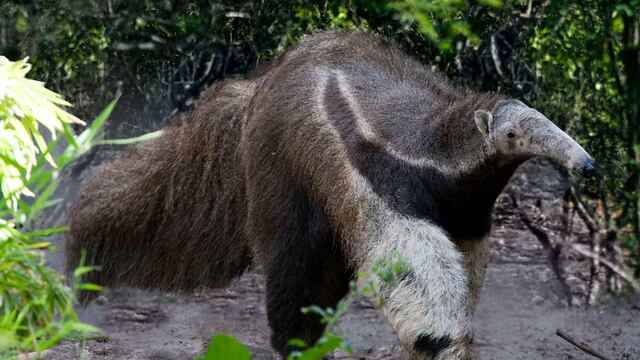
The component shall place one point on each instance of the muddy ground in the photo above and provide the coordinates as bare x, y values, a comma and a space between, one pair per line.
534, 286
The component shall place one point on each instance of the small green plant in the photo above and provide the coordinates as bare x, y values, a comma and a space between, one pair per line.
387, 271
36, 307
223, 347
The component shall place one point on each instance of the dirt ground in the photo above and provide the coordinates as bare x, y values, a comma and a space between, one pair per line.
533, 287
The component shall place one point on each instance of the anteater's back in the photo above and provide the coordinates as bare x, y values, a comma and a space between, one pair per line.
169, 213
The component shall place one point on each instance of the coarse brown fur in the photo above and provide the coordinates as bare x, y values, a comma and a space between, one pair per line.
343, 151
169, 214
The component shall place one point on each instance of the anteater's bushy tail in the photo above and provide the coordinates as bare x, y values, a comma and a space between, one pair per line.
169, 213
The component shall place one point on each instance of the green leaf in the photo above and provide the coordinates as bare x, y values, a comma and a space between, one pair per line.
90, 287
493, 3
69, 135
15, 164
84, 328
132, 140
86, 137
7, 340
299, 343
226, 347
81, 270
38, 245
47, 232
324, 346
315, 309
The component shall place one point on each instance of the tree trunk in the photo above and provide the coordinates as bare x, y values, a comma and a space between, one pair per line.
630, 54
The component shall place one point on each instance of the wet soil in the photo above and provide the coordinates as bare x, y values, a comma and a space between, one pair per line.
534, 285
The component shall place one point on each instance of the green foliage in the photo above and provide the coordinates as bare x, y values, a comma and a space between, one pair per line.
225, 347
587, 67
36, 308
441, 20
25, 104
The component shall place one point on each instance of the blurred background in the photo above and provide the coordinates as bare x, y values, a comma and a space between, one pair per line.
565, 254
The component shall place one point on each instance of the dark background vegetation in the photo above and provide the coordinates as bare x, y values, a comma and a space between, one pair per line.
578, 62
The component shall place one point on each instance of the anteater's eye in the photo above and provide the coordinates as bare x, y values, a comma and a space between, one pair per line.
511, 135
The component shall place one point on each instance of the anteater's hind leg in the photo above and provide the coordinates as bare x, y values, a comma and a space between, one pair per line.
303, 262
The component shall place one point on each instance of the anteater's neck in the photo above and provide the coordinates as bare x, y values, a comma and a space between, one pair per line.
465, 201
442, 170
466, 195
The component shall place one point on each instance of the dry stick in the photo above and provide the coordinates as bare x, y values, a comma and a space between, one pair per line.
615, 268
595, 239
580, 345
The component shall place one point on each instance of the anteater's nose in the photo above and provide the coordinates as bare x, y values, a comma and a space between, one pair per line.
587, 169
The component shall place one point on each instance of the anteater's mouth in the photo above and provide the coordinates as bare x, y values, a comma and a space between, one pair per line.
586, 169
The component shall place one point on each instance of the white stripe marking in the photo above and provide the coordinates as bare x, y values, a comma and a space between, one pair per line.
369, 133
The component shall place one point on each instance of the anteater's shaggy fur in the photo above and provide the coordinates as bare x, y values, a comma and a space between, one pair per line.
342, 152
170, 213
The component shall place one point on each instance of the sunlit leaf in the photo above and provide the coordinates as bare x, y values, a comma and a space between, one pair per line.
226, 347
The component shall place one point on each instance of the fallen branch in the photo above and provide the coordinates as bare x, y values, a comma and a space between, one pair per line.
580, 345
615, 268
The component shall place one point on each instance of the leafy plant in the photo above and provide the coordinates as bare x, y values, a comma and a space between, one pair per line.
36, 308
24, 105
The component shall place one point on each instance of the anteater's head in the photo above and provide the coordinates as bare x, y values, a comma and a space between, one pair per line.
516, 132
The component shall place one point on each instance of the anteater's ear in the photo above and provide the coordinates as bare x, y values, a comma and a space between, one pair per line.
483, 120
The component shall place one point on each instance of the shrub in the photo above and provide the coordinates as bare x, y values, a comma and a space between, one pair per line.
36, 308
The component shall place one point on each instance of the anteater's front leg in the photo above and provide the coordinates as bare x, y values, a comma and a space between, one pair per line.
428, 305
476, 253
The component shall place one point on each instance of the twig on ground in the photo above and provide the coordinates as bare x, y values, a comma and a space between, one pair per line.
580, 345
615, 268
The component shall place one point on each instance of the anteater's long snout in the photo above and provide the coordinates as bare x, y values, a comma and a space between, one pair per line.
576, 158
559, 146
